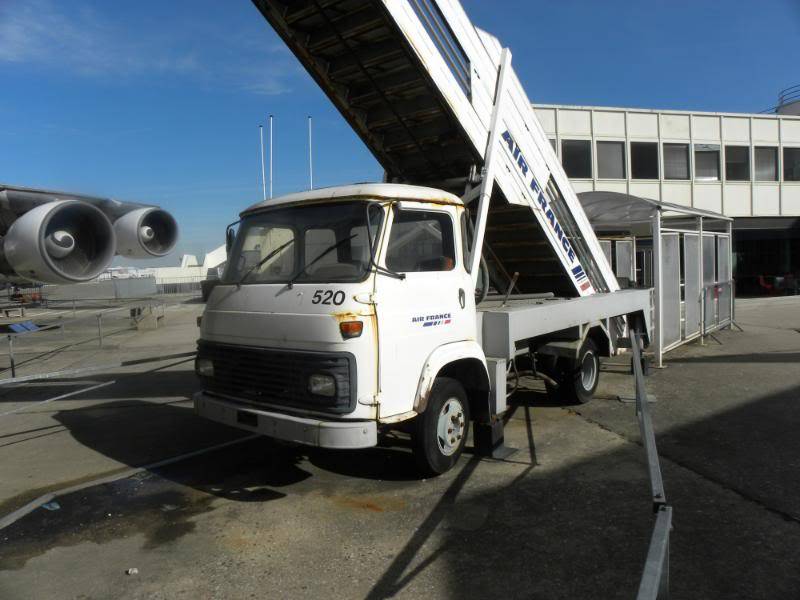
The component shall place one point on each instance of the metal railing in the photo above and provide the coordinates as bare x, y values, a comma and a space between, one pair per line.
790, 94
136, 311
654, 584
785, 97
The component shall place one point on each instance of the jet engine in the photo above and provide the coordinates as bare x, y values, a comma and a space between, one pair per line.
145, 232
65, 241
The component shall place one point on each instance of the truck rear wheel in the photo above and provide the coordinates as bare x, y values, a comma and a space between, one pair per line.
440, 433
577, 379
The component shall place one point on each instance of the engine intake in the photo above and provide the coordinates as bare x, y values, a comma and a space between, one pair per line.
65, 241
145, 232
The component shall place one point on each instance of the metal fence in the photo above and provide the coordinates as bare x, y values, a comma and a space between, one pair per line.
109, 288
654, 584
93, 327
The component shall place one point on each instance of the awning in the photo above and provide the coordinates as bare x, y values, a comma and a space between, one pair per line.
613, 209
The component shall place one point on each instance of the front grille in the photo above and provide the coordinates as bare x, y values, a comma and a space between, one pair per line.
279, 377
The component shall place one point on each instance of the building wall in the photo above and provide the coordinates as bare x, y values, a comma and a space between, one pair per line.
758, 137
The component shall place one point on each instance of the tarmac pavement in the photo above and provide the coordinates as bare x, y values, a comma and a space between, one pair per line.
567, 516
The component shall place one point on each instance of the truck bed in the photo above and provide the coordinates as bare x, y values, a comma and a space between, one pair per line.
503, 327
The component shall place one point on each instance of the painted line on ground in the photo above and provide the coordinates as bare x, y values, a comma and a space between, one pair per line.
80, 371
61, 397
16, 515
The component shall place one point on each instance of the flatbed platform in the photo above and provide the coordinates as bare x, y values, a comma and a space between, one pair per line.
502, 325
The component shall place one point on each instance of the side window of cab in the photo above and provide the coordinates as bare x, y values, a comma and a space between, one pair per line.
421, 241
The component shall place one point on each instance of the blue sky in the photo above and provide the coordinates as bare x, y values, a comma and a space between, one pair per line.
160, 101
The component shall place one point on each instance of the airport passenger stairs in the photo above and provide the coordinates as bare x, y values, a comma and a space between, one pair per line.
422, 88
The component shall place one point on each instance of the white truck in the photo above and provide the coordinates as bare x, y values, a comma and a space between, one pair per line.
346, 312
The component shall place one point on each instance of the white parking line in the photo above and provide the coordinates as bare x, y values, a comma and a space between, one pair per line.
44, 499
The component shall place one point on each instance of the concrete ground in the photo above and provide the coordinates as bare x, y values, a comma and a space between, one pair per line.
567, 516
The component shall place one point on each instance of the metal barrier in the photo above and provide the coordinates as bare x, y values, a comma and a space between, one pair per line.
717, 305
135, 311
654, 584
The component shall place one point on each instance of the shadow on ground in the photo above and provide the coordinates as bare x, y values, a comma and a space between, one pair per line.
576, 531
582, 531
761, 357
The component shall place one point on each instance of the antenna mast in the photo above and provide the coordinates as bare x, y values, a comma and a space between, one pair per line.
263, 178
310, 158
270, 156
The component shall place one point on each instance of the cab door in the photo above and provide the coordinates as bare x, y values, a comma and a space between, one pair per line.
433, 304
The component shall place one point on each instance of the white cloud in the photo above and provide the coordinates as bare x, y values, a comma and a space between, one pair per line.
82, 42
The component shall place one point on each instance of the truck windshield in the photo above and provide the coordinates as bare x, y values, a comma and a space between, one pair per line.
305, 244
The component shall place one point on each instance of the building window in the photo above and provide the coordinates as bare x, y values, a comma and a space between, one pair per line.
791, 164
676, 161
611, 160
766, 164
576, 158
706, 162
737, 163
553, 144
644, 160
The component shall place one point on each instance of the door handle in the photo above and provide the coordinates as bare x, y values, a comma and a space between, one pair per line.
462, 298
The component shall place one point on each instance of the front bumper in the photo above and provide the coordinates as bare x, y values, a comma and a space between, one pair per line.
311, 432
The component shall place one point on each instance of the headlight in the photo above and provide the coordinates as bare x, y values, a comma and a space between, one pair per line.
322, 385
204, 367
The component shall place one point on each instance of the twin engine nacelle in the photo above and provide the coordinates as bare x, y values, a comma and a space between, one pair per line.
145, 233
70, 241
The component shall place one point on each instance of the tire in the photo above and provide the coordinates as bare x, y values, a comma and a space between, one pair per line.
447, 414
577, 379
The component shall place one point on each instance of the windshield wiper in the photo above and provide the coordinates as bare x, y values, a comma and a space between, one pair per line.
327, 251
262, 261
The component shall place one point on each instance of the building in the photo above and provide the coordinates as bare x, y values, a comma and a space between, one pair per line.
745, 166
190, 270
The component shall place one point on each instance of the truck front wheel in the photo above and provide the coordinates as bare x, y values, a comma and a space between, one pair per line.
577, 379
440, 433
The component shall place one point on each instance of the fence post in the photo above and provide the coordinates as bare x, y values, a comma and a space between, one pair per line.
100, 328
703, 310
11, 356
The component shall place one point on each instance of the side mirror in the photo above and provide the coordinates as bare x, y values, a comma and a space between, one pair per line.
229, 239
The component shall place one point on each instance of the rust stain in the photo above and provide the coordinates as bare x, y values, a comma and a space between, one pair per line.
376, 504
344, 316
347, 315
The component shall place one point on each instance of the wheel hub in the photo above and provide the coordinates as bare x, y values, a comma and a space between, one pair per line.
450, 426
588, 371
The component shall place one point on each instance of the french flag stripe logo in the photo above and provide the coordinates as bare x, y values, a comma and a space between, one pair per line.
578, 273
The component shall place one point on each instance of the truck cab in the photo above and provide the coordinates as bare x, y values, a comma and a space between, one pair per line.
343, 312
